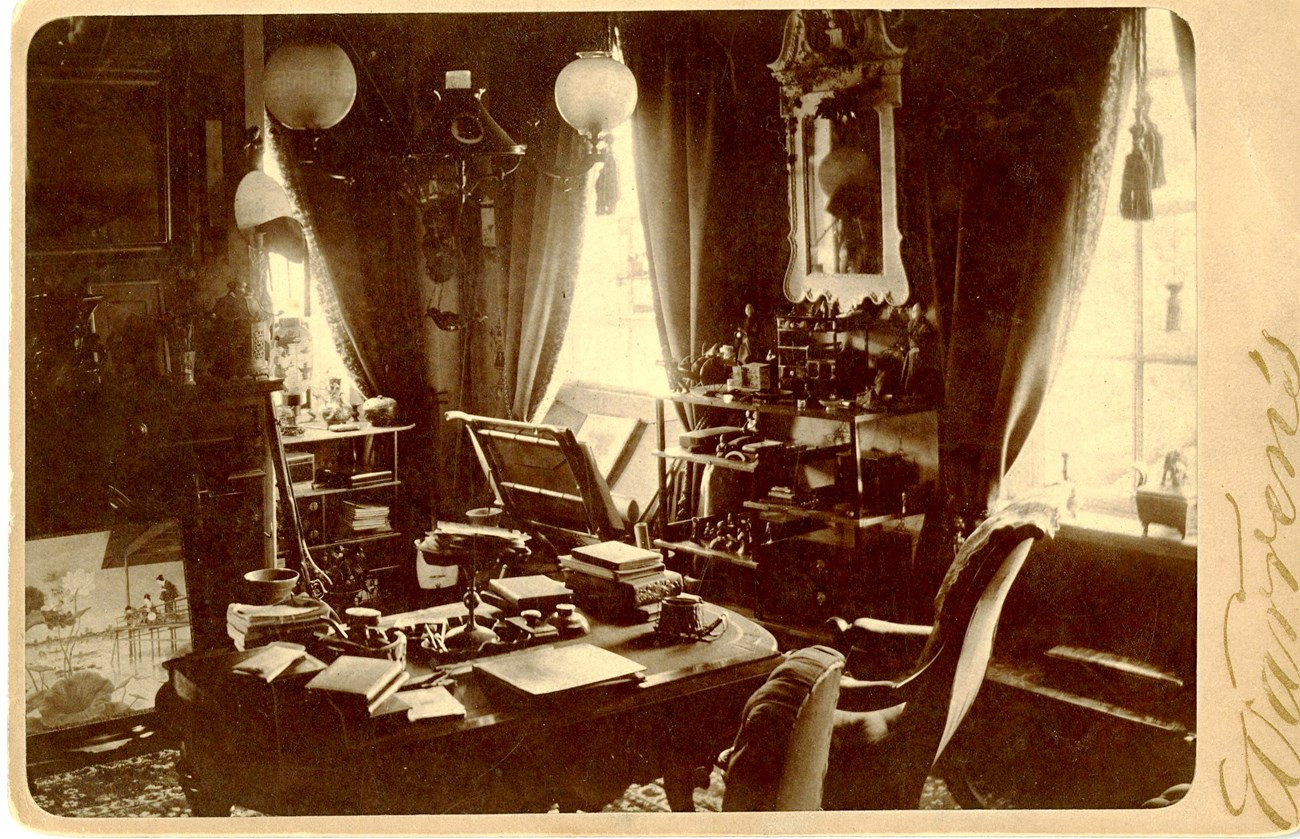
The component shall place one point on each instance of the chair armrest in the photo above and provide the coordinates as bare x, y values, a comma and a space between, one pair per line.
876, 626
865, 695
878, 649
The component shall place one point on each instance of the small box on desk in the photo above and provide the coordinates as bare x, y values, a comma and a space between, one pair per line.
302, 466
632, 601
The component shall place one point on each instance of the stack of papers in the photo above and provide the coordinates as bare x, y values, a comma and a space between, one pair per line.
548, 670
454, 540
249, 625
365, 518
275, 658
422, 704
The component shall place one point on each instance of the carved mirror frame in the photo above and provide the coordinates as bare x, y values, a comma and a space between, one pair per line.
840, 61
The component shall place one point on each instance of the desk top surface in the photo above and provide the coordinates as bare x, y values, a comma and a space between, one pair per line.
742, 650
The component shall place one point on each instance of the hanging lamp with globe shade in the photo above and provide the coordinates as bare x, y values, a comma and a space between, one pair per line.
309, 86
595, 93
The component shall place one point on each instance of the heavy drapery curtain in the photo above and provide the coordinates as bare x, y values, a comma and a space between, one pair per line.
1007, 173
369, 289
545, 244
710, 154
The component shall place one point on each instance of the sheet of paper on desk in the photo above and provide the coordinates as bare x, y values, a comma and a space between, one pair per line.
547, 670
430, 703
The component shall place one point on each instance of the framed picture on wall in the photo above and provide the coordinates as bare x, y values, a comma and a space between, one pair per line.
128, 321
99, 179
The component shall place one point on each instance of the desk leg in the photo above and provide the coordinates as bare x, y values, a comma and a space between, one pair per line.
679, 787
203, 801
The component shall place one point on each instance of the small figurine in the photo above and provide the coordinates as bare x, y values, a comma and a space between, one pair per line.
1175, 470
336, 410
744, 350
917, 354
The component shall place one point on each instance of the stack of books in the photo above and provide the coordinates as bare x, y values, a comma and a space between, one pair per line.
360, 682
616, 579
252, 626
360, 517
614, 561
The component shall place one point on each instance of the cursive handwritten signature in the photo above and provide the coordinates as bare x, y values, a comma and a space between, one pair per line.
1263, 610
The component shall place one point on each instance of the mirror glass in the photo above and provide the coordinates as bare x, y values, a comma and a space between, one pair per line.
841, 78
843, 194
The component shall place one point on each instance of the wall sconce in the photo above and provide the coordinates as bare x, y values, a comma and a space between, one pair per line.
460, 149
595, 94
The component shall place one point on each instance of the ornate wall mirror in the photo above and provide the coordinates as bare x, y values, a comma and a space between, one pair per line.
840, 81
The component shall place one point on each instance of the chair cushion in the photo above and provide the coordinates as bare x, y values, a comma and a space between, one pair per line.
758, 754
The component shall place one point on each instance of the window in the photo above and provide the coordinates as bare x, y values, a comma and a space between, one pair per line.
612, 338
1125, 393
313, 352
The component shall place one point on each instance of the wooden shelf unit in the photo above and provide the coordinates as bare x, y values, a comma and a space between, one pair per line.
320, 507
827, 539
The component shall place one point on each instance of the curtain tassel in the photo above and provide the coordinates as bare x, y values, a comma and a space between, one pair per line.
607, 187
1135, 191
1154, 146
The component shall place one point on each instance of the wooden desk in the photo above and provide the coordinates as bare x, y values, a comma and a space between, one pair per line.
281, 750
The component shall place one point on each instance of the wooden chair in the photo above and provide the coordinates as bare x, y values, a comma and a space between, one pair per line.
779, 757
889, 733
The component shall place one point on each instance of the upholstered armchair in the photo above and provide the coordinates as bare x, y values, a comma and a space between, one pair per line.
887, 733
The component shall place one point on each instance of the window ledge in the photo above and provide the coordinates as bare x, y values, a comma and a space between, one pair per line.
1124, 533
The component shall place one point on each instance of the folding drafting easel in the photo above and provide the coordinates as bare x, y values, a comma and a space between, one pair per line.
542, 476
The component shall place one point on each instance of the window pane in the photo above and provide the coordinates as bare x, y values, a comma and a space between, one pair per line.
1091, 419
1104, 324
1168, 411
1169, 283
612, 338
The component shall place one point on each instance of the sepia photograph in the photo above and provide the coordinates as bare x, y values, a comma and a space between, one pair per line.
605, 414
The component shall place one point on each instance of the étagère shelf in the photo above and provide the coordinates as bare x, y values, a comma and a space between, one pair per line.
345, 482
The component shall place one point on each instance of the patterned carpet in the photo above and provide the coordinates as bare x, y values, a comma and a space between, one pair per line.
146, 787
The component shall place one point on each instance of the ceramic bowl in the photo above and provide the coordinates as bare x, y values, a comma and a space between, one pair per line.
269, 585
